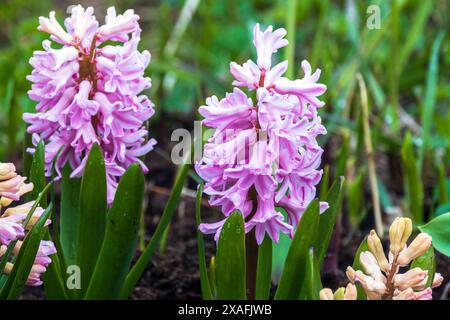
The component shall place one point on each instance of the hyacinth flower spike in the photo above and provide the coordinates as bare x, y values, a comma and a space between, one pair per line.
264, 154
12, 223
382, 278
89, 91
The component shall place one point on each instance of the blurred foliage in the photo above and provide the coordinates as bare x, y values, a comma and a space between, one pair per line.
405, 65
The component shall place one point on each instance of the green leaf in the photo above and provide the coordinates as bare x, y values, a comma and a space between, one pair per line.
355, 197
429, 103
231, 261
120, 238
264, 270
204, 281
328, 219
137, 270
25, 259
37, 173
54, 285
69, 214
92, 215
357, 266
294, 273
444, 208
313, 283
426, 262
413, 181
438, 229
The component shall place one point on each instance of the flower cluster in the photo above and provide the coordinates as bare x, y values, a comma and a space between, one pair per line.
264, 155
88, 89
382, 279
12, 187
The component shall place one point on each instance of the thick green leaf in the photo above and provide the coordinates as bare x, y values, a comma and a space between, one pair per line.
92, 216
230, 259
328, 219
413, 181
438, 229
37, 173
294, 273
264, 270
357, 266
136, 272
55, 288
426, 262
69, 212
25, 259
212, 276
313, 283
204, 281
120, 238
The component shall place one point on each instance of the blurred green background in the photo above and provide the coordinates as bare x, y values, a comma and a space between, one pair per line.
405, 66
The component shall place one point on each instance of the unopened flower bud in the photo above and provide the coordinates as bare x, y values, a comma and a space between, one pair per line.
418, 247
411, 279
339, 294
399, 233
350, 272
326, 294
376, 248
407, 294
424, 294
437, 281
370, 265
7, 171
350, 292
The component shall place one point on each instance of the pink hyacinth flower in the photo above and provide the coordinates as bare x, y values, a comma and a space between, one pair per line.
89, 91
264, 155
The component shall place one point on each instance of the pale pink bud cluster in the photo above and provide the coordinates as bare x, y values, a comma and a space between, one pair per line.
12, 221
382, 278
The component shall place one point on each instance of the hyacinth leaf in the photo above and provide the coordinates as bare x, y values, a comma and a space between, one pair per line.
54, 286
120, 237
328, 219
25, 259
294, 272
70, 201
438, 229
413, 181
313, 283
37, 173
92, 217
357, 266
279, 252
137, 270
264, 270
26, 156
426, 262
230, 259
204, 280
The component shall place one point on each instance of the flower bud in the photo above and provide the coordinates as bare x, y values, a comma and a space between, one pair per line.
407, 294
350, 292
411, 279
339, 294
376, 248
326, 294
399, 233
350, 272
418, 247
7, 171
437, 281
424, 294
370, 265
